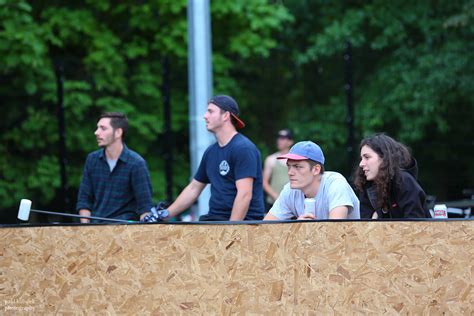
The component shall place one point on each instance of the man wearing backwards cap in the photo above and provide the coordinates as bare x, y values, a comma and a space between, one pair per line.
334, 197
232, 166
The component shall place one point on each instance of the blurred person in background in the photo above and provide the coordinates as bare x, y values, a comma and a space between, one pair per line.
275, 171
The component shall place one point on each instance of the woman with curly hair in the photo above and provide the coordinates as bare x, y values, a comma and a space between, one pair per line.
387, 180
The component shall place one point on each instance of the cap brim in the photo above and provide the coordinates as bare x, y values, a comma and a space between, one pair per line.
240, 123
292, 157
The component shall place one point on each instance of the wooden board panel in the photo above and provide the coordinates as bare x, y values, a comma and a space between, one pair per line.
325, 267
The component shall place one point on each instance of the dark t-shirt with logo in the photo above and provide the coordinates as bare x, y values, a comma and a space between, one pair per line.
222, 166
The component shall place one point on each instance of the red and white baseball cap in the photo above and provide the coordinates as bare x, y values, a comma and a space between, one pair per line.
303, 151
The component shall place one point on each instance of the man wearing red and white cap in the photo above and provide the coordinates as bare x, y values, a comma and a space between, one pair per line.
332, 194
233, 167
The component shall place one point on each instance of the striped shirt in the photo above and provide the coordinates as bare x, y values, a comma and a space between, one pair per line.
124, 193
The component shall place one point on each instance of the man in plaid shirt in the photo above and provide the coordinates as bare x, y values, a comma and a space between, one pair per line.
116, 181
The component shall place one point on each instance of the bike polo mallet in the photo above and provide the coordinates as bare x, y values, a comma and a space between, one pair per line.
25, 209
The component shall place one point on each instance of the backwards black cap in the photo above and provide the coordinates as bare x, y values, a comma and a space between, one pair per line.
228, 103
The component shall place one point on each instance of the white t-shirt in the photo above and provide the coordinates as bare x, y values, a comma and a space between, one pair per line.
334, 191
112, 163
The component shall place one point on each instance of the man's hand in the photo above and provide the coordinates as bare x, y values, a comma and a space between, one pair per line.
306, 216
85, 212
274, 195
159, 212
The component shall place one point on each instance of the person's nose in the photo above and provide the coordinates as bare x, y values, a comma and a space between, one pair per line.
96, 133
361, 163
290, 171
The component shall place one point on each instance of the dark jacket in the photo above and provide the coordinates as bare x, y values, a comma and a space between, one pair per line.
408, 200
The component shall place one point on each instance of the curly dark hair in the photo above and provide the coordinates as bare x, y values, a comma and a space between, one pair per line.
395, 156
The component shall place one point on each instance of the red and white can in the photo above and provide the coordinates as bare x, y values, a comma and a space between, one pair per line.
440, 211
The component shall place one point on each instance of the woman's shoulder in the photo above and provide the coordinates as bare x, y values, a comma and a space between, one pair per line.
408, 184
406, 177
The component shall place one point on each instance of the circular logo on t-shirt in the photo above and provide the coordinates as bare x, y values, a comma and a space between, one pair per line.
224, 168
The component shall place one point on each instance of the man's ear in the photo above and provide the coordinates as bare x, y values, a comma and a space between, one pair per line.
226, 115
316, 169
118, 132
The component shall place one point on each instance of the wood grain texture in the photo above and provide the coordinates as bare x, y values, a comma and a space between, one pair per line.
326, 267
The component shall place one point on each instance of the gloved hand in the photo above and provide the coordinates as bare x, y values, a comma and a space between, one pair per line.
157, 213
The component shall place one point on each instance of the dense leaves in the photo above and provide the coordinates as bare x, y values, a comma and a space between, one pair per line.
111, 55
282, 60
412, 66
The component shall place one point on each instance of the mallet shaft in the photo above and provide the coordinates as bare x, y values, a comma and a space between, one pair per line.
83, 216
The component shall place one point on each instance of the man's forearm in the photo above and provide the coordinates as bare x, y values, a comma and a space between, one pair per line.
85, 212
270, 217
184, 201
186, 198
241, 206
339, 212
181, 203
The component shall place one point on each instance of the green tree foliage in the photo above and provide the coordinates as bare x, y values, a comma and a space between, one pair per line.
282, 60
112, 55
413, 78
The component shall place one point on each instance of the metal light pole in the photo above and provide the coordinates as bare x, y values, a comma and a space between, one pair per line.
200, 87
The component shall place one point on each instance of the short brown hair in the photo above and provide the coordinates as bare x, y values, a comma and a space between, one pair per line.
232, 119
313, 163
117, 120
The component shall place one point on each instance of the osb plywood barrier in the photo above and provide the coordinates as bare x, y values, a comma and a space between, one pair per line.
304, 268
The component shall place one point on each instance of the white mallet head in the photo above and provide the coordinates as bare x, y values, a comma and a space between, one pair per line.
24, 211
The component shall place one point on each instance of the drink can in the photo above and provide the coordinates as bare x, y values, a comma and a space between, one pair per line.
440, 211
310, 206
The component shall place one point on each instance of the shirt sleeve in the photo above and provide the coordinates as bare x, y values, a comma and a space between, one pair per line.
85, 198
340, 194
141, 185
283, 208
201, 173
246, 163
